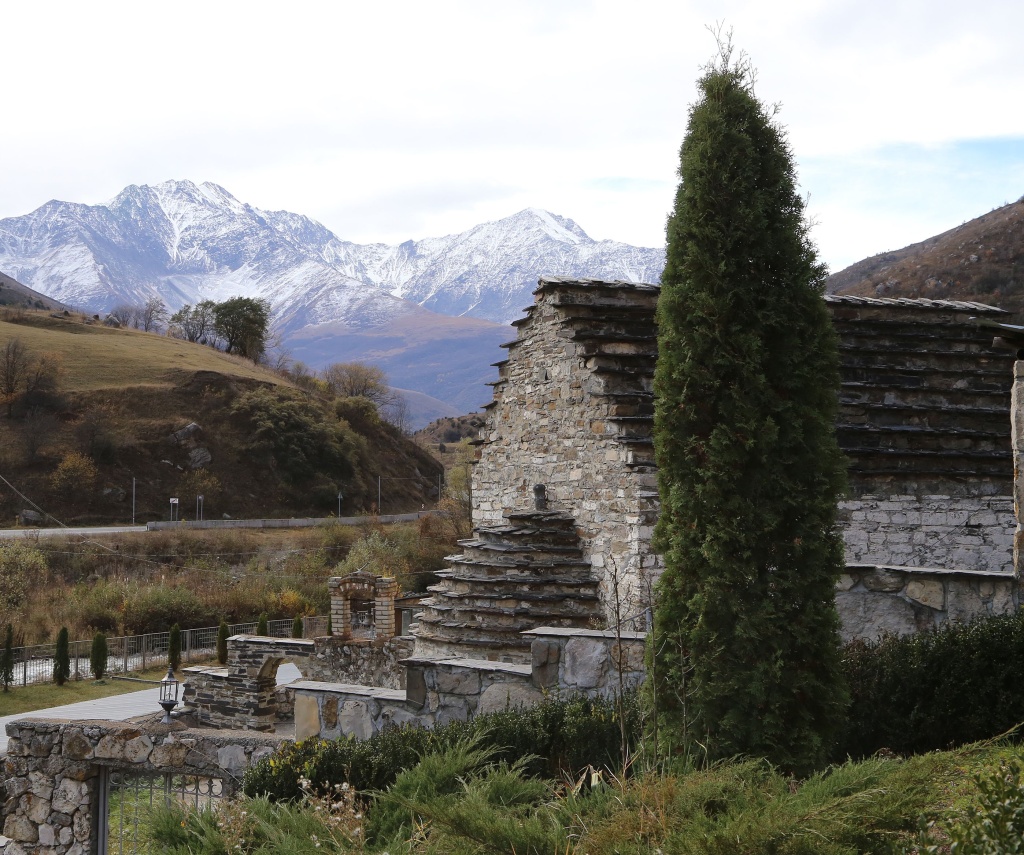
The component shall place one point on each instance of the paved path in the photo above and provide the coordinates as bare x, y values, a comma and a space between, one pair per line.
117, 707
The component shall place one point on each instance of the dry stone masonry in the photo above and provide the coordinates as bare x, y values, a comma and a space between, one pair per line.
53, 773
924, 418
526, 573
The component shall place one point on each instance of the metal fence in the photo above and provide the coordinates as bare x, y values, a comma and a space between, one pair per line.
138, 652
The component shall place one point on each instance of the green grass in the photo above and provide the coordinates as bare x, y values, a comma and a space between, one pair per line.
95, 357
42, 696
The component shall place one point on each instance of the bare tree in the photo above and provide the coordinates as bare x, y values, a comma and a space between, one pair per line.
14, 366
194, 323
39, 428
153, 315
125, 314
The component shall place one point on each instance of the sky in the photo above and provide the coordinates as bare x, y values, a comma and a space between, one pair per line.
388, 121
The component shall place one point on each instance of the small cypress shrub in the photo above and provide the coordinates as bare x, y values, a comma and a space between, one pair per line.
297, 631
98, 656
7, 659
174, 647
62, 658
330, 624
261, 625
222, 642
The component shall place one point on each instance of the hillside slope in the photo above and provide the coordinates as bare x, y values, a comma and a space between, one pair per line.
981, 261
259, 447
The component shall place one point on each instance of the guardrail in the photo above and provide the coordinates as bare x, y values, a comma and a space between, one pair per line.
307, 522
127, 653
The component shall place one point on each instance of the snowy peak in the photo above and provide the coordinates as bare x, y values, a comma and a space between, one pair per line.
183, 242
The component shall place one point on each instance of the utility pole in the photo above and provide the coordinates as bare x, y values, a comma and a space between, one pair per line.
378, 494
133, 500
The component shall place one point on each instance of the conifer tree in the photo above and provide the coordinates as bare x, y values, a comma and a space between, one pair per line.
7, 659
222, 642
262, 625
174, 647
297, 628
746, 645
62, 658
98, 656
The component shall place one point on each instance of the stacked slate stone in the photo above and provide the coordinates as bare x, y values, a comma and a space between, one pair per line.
925, 397
527, 573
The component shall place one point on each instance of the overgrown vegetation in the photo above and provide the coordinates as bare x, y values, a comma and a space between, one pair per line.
144, 583
245, 464
557, 738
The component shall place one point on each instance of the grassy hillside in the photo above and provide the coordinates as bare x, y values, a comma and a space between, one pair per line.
94, 356
981, 260
262, 447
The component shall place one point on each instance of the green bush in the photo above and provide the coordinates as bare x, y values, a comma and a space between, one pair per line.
297, 630
222, 642
62, 658
557, 736
295, 436
98, 656
933, 690
261, 625
174, 648
995, 826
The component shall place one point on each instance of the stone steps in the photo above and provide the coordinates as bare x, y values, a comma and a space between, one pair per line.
525, 573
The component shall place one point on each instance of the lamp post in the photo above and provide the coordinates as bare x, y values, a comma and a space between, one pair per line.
199, 507
168, 694
339, 504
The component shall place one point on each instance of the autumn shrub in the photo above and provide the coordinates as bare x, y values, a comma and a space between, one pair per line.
75, 475
20, 565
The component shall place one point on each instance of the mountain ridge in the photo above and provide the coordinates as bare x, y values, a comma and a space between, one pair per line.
332, 300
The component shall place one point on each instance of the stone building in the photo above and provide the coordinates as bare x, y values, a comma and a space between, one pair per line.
924, 419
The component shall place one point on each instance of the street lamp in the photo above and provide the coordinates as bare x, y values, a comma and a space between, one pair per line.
168, 694
199, 507
339, 504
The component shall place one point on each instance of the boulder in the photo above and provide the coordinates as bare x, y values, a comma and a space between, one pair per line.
199, 458
28, 517
186, 433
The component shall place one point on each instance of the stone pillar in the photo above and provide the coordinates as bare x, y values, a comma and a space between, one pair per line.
384, 607
1017, 440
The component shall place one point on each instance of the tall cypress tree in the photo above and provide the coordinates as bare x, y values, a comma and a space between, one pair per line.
746, 645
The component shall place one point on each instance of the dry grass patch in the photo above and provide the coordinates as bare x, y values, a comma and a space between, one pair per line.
94, 356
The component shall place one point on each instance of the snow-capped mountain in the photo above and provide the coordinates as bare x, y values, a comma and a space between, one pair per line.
332, 300
185, 242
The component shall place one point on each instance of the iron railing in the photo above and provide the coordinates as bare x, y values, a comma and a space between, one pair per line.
137, 652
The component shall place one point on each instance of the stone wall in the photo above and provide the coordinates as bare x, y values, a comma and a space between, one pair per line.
565, 661
586, 661
930, 531
375, 663
572, 410
244, 692
876, 600
52, 772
